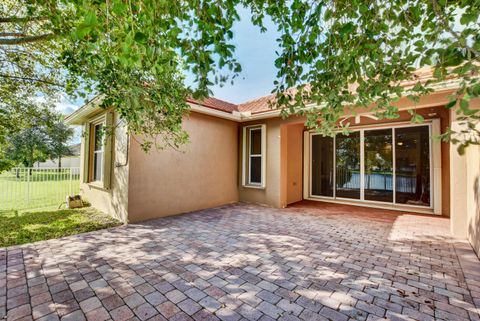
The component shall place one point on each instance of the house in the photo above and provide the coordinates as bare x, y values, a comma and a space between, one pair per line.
73, 160
248, 153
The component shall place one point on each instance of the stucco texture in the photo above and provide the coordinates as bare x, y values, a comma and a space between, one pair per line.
200, 175
465, 196
273, 194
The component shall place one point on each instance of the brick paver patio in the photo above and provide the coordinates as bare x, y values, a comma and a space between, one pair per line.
308, 262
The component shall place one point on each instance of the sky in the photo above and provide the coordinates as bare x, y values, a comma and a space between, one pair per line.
256, 53
254, 50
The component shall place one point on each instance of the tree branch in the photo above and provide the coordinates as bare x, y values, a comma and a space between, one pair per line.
12, 34
27, 39
31, 80
20, 19
441, 17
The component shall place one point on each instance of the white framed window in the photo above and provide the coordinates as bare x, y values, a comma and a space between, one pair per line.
97, 147
97, 151
254, 162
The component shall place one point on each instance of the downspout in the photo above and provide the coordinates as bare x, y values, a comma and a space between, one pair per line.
117, 164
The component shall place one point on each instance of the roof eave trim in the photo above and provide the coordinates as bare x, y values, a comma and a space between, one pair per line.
82, 114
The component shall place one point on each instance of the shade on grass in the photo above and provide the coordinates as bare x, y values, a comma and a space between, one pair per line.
25, 227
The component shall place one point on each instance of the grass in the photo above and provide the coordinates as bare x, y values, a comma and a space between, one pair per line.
46, 190
19, 227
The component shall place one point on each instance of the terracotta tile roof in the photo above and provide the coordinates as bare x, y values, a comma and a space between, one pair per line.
257, 105
215, 103
262, 104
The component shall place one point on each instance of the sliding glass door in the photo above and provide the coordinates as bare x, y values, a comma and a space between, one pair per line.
347, 169
388, 165
322, 166
412, 165
378, 165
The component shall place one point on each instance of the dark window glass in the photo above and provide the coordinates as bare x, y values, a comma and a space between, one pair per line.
378, 165
98, 137
256, 141
256, 169
412, 160
322, 165
255, 155
347, 154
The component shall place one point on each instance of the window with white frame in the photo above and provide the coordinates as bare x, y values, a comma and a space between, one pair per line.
254, 152
97, 152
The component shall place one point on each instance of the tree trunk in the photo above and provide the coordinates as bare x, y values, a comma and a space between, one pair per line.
30, 161
60, 163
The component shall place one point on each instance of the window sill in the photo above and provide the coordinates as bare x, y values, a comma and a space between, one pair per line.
254, 186
97, 185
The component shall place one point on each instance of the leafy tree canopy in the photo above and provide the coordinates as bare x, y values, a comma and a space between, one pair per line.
33, 132
337, 54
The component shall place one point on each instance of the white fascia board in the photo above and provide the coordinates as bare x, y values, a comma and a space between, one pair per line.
79, 116
213, 112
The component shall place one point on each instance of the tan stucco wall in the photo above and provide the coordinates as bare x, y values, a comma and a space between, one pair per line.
473, 196
271, 195
465, 196
113, 201
202, 175
292, 163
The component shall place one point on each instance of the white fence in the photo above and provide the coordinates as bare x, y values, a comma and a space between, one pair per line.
29, 188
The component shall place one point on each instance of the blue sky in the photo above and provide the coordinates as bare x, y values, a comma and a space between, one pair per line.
256, 53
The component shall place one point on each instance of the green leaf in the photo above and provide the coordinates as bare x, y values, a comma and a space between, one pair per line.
119, 7
451, 104
90, 19
468, 17
140, 37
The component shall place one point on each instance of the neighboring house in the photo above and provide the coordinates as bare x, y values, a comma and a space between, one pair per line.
248, 153
67, 161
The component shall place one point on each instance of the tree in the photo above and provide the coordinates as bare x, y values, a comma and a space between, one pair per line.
59, 134
344, 55
28, 146
33, 132
336, 54
15, 118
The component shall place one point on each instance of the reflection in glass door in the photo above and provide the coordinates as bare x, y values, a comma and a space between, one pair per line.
347, 171
390, 165
378, 177
322, 166
412, 160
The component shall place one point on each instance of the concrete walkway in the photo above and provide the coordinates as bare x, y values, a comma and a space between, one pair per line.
313, 261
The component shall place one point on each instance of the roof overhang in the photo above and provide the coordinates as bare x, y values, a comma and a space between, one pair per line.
81, 115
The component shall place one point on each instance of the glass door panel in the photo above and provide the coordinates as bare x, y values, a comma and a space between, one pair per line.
322, 166
378, 177
347, 155
412, 162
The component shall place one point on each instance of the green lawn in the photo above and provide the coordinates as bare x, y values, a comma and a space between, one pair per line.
18, 227
40, 190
